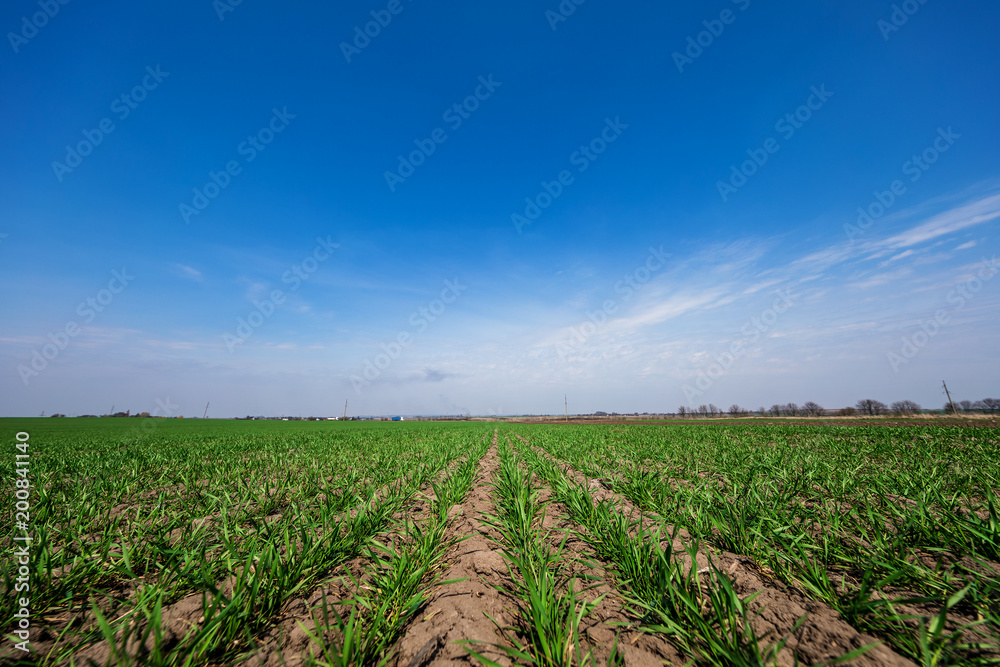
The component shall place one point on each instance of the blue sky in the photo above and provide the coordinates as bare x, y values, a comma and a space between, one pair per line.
230, 164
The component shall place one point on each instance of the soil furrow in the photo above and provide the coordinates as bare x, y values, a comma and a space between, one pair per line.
287, 642
458, 611
608, 618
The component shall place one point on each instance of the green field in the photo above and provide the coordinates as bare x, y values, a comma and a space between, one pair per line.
173, 542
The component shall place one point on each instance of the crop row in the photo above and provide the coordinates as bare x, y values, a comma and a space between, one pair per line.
895, 529
398, 578
223, 528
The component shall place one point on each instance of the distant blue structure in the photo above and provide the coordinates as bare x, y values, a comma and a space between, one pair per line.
397, 419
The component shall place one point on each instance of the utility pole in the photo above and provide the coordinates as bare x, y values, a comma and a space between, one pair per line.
112, 413
206, 410
345, 408
566, 402
950, 402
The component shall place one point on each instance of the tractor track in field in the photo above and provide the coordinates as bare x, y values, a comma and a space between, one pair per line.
777, 608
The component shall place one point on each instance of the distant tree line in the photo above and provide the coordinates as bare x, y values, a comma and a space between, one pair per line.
868, 407
127, 413
809, 409
985, 405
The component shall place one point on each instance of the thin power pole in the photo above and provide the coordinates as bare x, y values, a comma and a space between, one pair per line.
566, 402
950, 402
345, 408
206, 410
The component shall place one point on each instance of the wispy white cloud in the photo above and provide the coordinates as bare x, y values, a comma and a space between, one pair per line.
978, 210
255, 290
881, 278
825, 332
896, 258
825, 258
949, 222
660, 311
191, 273
753, 289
